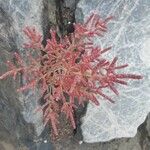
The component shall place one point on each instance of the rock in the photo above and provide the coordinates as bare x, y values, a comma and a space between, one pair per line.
25, 13
70, 3
13, 127
17, 110
140, 142
128, 33
19, 125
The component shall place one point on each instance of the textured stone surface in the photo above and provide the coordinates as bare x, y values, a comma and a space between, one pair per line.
70, 3
19, 124
13, 127
25, 13
17, 110
140, 142
19, 127
129, 36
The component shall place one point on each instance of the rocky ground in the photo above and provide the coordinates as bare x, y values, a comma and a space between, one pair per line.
20, 131
140, 142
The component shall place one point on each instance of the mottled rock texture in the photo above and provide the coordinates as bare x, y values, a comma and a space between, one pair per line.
12, 124
19, 126
141, 141
128, 34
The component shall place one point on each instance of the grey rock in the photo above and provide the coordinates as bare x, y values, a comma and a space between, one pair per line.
70, 3
129, 34
13, 126
26, 13
19, 125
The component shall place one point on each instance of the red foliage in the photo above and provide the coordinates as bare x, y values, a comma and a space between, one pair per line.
69, 68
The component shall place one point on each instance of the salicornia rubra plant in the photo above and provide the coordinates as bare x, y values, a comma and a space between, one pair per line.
68, 68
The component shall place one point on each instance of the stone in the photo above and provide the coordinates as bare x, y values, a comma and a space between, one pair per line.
70, 3
140, 142
13, 127
19, 126
26, 13
17, 110
128, 34
19, 123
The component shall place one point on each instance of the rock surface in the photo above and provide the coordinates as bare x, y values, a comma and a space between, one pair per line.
140, 142
19, 125
129, 35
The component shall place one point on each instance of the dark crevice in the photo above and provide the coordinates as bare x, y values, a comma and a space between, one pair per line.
59, 16
65, 17
46, 23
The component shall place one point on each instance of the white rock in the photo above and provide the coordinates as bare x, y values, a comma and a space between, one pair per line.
128, 34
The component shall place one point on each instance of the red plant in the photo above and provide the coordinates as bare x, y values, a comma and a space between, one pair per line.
68, 69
